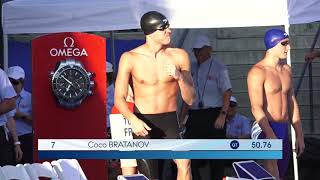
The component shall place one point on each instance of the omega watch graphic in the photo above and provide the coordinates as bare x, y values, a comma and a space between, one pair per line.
71, 83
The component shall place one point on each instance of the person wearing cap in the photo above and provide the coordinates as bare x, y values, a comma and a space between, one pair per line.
23, 113
207, 116
273, 103
7, 103
238, 126
158, 71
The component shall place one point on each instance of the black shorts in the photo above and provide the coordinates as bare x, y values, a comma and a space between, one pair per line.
163, 125
27, 148
200, 124
6, 149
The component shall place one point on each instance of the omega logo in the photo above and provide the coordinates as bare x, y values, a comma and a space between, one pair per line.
68, 50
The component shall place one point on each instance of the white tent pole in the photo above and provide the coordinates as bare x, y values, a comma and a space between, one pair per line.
5, 51
286, 28
293, 134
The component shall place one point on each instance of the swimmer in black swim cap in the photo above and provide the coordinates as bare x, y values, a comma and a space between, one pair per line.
152, 21
158, 73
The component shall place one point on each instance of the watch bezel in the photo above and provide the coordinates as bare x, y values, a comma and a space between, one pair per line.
72, 102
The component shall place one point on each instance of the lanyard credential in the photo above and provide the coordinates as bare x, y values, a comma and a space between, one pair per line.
200, 104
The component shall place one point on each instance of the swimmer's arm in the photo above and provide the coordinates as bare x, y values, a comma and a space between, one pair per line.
296, 123
294, 117
294, 113
185, 81
121, 87
255, 80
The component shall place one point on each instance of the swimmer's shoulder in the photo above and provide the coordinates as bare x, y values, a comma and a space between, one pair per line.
134, 53
176, 51
257, 71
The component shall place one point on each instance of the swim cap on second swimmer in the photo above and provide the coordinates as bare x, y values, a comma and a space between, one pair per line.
273, 37
152, 21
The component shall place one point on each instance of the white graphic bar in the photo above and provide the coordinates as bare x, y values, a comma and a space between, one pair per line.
158, 144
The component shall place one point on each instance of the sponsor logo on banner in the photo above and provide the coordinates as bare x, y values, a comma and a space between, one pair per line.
69, 50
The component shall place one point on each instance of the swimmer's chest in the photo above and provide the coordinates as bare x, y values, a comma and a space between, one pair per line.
276, 82
152, 71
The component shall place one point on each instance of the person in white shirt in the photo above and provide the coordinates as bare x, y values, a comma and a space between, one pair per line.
207, 115
23, 113
7, 104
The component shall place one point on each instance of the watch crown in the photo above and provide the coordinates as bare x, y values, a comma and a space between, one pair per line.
91, 75
90, 93
91, 84
51, 73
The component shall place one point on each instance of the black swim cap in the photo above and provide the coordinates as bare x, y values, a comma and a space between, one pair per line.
152, 21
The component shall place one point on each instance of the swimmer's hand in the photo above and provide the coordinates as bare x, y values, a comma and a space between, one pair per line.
299, 146
310, 56
172, 70
139, 127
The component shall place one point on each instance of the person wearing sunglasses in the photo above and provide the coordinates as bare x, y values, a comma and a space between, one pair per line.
7, 104
22, 113
273, 103
158, 71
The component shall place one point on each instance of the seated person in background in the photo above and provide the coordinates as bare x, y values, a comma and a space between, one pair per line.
238, 126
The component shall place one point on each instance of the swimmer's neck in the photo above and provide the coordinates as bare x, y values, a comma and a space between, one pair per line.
272, 61
154, 48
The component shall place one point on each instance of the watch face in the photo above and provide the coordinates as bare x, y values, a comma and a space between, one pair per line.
70, 83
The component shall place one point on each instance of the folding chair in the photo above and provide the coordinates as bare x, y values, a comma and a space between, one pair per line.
37, 170
68, 169
13, 172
